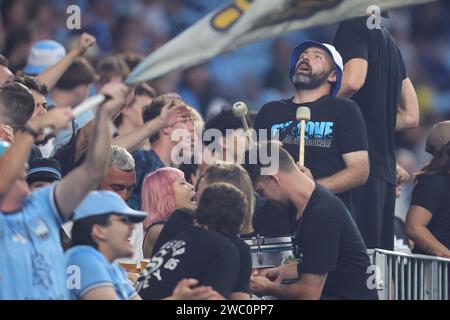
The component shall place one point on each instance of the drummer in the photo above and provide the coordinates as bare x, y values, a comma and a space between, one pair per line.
332, 260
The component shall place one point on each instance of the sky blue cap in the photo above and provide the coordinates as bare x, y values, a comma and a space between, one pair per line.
331, 50
102, 202
43, 55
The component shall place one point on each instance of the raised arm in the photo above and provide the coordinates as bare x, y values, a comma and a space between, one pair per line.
170, 115
12, 163
50, 76
75, 186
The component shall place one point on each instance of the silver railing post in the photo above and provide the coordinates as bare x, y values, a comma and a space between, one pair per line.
410, 276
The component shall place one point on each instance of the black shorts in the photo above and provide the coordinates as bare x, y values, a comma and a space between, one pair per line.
374, 205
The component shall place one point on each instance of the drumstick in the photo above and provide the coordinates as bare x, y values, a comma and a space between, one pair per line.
86, 105
240, 111
303, 114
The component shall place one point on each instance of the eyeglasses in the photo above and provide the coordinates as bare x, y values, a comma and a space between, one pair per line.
120, 187
123, 219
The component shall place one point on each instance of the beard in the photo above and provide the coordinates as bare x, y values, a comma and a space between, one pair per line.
309, 81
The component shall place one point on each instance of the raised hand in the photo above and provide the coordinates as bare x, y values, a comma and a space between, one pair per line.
57, 118
117, 93
86, 41
173, 113
6, 133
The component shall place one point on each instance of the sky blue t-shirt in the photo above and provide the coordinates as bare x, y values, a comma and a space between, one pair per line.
32, 262
96, 271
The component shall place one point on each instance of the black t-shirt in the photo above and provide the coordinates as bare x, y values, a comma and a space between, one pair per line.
272, 220
379, 96
328, 241
432, 192
245, 265
197, 253
35, 153
181, 220
336, 127
178, 222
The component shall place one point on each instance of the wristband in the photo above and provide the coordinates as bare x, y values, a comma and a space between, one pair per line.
29, 130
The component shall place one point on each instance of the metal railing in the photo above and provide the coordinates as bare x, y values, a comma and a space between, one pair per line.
402, 276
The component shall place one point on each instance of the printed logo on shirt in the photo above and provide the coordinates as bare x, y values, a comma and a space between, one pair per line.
40, 228
317, 133
167, 258
41, 270
18, 232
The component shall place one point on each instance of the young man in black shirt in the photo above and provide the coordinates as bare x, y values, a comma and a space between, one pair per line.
332, 262
375, 78
203, 251
335, 138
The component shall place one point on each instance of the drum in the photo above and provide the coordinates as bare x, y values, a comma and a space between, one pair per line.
270, 252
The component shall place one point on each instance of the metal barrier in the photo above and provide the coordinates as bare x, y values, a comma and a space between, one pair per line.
402, 276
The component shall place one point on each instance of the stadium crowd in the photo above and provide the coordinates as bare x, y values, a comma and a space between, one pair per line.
96, 206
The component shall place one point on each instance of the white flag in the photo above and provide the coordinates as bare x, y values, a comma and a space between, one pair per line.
245, 21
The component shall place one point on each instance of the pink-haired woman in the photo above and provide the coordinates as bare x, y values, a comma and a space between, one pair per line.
163, 191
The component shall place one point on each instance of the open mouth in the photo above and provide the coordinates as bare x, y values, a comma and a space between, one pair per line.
303, 67
194, 198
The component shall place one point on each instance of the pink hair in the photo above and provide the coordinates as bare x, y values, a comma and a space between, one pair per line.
158, 196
